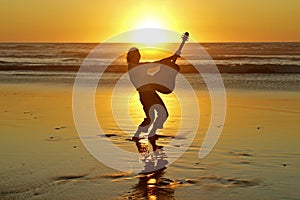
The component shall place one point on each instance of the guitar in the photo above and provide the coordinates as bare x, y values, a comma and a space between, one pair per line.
166, 77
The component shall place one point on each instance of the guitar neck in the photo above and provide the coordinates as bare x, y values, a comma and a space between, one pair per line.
185, 37
178, 52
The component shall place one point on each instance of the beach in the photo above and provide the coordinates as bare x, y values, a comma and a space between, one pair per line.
43, 157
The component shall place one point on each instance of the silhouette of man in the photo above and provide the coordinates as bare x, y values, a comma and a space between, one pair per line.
148, 85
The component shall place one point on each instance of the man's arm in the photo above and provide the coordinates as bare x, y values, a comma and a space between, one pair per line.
165, 61
168, 59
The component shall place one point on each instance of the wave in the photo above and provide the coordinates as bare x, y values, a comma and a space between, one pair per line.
246, 68
229, 57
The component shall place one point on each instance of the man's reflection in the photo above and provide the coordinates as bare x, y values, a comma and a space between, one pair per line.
152, 184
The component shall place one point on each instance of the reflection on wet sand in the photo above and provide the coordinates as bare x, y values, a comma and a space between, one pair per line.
152, 184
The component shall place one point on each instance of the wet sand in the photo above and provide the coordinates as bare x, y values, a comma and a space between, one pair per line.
42, 157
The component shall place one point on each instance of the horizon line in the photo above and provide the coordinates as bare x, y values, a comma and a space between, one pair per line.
98, 42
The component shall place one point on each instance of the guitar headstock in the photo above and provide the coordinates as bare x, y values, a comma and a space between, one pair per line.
185, 36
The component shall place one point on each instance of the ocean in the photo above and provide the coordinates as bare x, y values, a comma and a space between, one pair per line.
285, 57
242, 65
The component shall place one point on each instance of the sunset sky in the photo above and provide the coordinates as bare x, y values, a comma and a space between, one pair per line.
96, 20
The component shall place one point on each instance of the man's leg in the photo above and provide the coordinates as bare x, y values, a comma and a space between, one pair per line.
146, 100
143, 127
162, 115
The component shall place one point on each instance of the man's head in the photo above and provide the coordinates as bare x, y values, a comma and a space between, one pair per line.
133, 55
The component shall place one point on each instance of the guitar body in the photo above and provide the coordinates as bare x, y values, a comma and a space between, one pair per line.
166, 77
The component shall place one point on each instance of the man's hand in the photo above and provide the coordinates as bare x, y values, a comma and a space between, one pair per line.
168, 59
174, 57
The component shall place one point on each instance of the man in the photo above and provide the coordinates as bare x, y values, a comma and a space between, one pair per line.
147, 85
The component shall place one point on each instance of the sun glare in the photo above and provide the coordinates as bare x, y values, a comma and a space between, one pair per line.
151, 32
149, 27
150, 37
150, 23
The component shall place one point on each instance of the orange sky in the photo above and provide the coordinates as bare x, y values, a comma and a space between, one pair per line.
96, 20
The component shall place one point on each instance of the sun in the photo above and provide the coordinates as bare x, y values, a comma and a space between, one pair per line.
150, 32
150, 23
149, 36
149, 29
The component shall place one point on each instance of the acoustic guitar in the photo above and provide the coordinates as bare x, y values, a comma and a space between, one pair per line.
164, 79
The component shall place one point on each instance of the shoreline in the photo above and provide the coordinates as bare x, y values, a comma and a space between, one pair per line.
245, 68
232, 81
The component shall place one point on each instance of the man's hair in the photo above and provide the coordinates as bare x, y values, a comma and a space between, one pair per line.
133, 54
